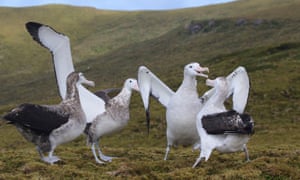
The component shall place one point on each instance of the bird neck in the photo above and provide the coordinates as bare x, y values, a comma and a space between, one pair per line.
218, 98
123, 97
189, 82
72, 94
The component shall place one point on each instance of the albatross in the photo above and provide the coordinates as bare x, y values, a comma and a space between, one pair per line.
48, 126
59, 46
225, 131
114, 118
183, 105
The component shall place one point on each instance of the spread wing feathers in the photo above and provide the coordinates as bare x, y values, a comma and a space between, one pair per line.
150, 84
40, 119
228, 122
239, 85
59, 45
239, 88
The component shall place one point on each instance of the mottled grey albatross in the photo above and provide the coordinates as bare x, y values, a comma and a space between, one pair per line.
48, 126
114, 118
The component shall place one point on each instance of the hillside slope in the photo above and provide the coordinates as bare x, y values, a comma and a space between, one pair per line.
108, 36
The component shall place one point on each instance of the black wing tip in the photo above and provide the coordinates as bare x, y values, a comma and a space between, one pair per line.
33, 25
148, 121
33, 29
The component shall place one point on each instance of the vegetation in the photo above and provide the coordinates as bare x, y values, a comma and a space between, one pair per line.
109, 46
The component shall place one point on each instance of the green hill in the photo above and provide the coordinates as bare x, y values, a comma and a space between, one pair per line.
109, 46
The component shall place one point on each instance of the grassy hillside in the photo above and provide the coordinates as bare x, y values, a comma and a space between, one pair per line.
109, 46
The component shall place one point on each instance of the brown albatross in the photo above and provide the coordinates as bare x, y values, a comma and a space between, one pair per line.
114, 118
48, 126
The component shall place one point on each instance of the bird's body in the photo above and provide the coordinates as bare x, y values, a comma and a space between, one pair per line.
222, 142
181, 112
115, 118
182, 106
48, 126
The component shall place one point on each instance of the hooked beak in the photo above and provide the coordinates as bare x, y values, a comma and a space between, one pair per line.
89, 83
136, 87
200, 71
85, 81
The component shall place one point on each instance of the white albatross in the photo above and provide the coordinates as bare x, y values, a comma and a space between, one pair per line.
223, 131
48, 126
59, 46
182, 106
112, 120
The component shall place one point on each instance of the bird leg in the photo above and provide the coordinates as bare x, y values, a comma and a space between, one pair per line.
50, 159
198, 161
246, 153
102, 156
40, 152
197, 146
167, 152
95, 154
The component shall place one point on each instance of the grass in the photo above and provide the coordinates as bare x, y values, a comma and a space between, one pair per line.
112, 48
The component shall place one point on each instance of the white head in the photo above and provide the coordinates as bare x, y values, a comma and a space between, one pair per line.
194, 69
131, 83
220, 83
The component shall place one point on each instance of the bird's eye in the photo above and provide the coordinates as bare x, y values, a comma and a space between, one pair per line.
190, 66
130, 81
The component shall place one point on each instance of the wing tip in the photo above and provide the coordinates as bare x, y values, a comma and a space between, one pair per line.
33, 28
143, 69
148, 120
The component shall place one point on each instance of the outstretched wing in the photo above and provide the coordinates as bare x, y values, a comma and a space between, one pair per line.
59, 45
239, 88
239, 85
150, 84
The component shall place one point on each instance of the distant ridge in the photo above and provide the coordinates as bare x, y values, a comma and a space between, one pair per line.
110, 45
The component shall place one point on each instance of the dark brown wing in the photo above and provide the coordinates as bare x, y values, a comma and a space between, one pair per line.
228, 122
37, 118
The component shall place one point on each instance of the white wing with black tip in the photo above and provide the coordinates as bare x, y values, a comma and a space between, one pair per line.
151, 85
59, 45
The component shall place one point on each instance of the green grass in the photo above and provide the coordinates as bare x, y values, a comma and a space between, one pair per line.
108, 46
